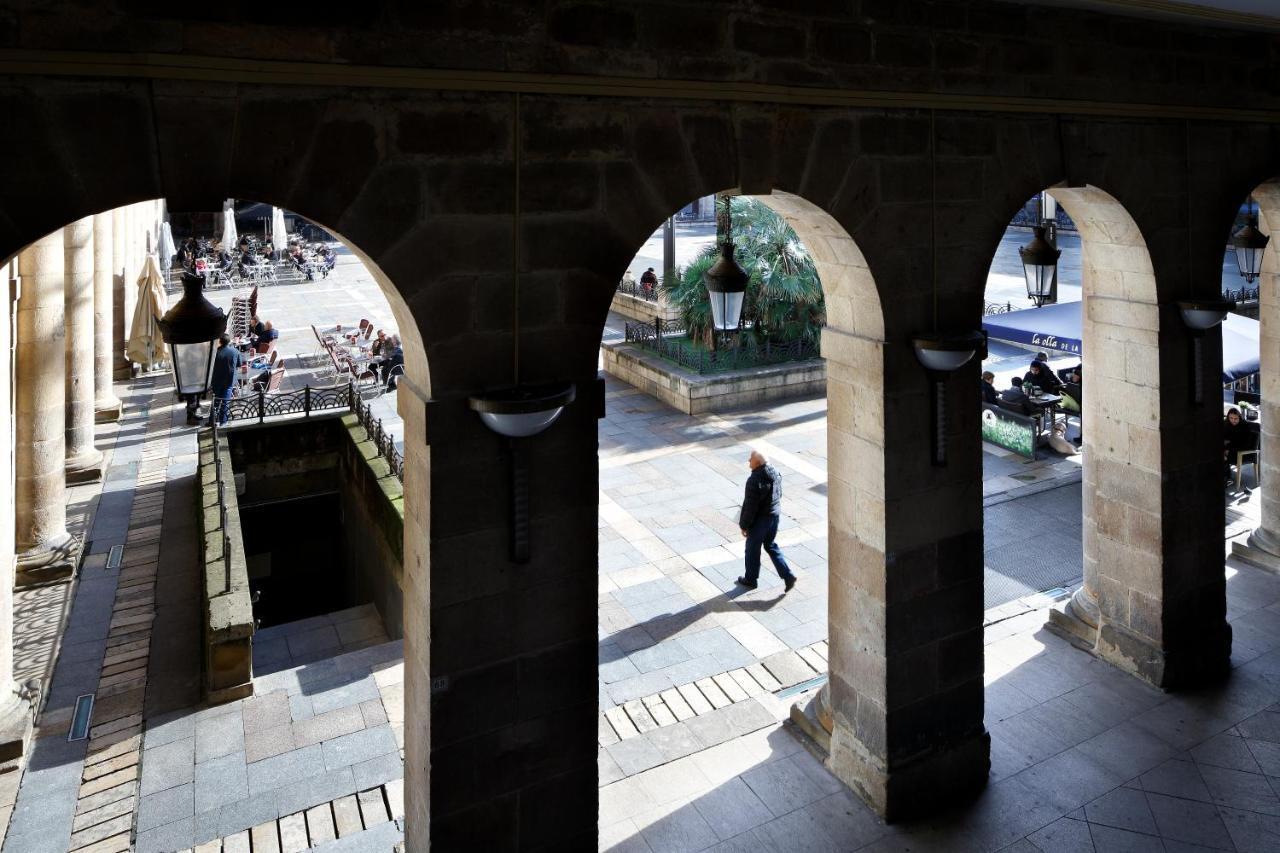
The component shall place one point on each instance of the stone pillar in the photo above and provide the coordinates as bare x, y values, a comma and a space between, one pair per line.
46, 551
84, 460
122, 368
106, 405
1263, 548
15, 711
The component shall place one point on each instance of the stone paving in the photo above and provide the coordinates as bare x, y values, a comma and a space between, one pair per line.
670, 550
1084, 758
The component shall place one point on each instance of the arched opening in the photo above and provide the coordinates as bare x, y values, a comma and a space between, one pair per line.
137, 612
771, 647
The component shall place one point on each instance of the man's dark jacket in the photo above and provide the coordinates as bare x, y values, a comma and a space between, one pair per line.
763, 496
225, 365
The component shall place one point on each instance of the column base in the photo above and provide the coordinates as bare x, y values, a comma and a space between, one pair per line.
1261, 551
48, 563
1203, 658
106, 411
16, 723
813, 718
84, 468
924, 785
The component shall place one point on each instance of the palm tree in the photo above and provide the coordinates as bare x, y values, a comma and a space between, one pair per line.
784, 296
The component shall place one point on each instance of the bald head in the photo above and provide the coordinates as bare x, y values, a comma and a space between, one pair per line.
756, 459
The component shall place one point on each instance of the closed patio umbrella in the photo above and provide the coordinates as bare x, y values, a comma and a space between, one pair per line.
167, 247
146, 345
279, 237
229, 236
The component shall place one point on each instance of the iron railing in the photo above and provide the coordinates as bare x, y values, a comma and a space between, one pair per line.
222, 509
997, 308
746, 355
1244, 294
260, 405
647, 292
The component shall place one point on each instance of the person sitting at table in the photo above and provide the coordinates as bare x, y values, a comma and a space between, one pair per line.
1015, 397
1236, 437
328, 259
267, 335
256, 327
247, 263
391, 362
1073, 391
378, 345
989, 392
300, 262
1039, 375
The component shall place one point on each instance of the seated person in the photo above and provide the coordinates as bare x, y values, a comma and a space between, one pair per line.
267, 335
300, 262
247, 263
1236, 437
989, 392
1041, 376
1015, 397
256, 327
1073, 391
379, 344
262, 380
391, 362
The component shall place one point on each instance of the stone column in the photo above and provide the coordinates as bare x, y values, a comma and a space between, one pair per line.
1263, 548
46, 551
84, 460
121, 367
106, 405
15, 711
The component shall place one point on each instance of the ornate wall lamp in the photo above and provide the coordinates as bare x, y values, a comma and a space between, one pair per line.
192, 328
941, 352
521, 411
1250, 244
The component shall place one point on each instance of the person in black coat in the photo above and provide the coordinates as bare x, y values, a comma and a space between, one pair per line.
1040, 374
1016, 397
989, 392
1236, 437
758, 521
225, 364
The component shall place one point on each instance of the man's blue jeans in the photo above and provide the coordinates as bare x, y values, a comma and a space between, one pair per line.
220, 409
762, 533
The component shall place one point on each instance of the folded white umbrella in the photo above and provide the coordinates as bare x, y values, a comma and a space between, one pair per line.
146, 344
279, 237
167, 247
229, 236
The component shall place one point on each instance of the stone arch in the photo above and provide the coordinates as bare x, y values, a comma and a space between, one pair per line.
415, 387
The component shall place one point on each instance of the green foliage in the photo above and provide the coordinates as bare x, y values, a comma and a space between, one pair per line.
784, 296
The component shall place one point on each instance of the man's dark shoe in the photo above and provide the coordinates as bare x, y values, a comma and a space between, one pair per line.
787, 583
744, 582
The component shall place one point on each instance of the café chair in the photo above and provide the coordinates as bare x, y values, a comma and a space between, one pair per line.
1248, 457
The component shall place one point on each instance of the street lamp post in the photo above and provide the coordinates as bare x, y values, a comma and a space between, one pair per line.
1250, 244
192, 328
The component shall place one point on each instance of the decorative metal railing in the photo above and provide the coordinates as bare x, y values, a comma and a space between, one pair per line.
647, 292
260, 405
997, 308
746, 355
1244, 294
222, 510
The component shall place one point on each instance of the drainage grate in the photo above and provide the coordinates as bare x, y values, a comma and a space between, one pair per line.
113, 559
795, 689
80, 719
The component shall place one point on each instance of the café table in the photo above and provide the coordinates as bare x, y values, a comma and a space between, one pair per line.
1048, 406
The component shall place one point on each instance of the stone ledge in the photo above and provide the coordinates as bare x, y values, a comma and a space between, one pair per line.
635, 308
696, 394
228, 608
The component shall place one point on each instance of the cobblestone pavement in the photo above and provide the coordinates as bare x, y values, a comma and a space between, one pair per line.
1084, 758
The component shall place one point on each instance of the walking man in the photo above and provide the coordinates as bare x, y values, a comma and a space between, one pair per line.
225, 364
761, 511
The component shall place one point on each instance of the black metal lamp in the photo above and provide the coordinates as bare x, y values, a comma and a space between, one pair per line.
1201, 315
1250, 243
192, 328
521, 411
1040, 266
726, 288
942, 353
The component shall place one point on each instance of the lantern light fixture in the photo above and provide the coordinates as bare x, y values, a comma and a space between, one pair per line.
1250, 244
192, 328
1040, 266
726, 281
